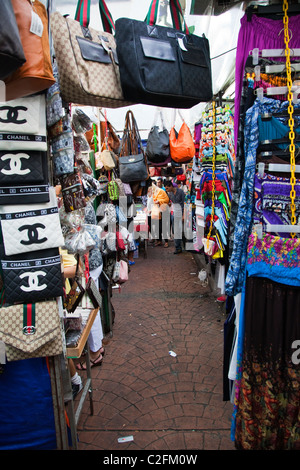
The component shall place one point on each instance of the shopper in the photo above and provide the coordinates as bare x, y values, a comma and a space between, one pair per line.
177, 198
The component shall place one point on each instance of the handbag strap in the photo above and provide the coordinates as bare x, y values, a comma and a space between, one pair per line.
176, 14
131, 136
155, 119
83, 15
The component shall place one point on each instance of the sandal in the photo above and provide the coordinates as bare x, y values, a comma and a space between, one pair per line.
94, 363
166, 245
157, 243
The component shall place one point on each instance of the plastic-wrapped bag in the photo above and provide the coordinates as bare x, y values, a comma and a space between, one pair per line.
79, 241
81, 122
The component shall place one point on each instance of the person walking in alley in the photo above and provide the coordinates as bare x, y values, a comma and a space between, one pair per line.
177, 198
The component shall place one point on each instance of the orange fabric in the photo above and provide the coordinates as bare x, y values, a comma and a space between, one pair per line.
182, 148
36, 74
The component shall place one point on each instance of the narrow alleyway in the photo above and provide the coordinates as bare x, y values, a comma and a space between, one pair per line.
165, 402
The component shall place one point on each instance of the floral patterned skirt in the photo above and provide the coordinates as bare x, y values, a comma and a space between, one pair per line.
268, 398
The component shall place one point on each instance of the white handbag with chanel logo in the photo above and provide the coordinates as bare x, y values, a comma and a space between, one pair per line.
32, 227
23, 124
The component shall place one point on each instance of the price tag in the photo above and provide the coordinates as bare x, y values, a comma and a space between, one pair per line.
36, 26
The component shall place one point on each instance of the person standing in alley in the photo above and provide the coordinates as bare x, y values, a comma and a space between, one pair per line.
177, 198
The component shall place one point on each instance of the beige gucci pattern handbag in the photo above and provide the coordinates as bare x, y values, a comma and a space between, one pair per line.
87, 64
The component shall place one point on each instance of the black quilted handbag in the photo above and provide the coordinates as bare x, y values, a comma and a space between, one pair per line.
163, 66
32, 277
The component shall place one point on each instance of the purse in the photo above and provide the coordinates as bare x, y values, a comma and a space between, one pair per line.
106, 158
182, 148
36, 74
158, 149
93, 293
31, 330
86, 59
32, 277
24, 177
132, 161
76, 293
113, 190
72, 191
11, 50
31, 228
23, 124
163, 66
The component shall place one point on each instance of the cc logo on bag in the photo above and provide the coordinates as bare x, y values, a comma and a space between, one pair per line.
33, 235
13, 114
33, 281
15, 164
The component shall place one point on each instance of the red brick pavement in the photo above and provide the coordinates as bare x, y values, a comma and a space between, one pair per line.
164, 402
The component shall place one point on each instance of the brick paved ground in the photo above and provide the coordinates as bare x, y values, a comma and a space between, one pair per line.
164, 402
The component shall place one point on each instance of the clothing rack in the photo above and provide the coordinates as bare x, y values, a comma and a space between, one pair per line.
271, 11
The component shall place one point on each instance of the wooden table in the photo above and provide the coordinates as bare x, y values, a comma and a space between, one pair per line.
75, 353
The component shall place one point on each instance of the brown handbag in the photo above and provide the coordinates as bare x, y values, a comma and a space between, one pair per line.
36, 74
31, 330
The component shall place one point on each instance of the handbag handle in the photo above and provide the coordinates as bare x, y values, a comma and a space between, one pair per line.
131, 137
176, 14
83, 15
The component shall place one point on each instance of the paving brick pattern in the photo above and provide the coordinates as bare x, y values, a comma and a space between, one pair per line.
164, 402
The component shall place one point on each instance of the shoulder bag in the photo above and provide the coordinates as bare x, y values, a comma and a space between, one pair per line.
132, 161
36, 74
182, 148
86, 59
158, 148
163, 66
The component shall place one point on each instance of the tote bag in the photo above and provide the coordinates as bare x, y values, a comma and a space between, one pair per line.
86, 59
163, 66
36, 74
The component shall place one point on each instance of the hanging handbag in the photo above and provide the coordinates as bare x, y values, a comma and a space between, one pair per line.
107, 160
163, 66
132, 161
87, 62
31, 330
36, 74
32, 277
123, 273
11, 50
113, 190
31, 228
158, 148
72, 191
23, 124
76, 292
182, 148
107, 131
93, 293
24, 177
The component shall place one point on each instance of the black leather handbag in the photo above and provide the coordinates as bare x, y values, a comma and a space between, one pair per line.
132, 161
11, 50
163, 66
158, 148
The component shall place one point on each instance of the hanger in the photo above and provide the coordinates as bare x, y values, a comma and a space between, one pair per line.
270, 11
